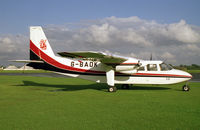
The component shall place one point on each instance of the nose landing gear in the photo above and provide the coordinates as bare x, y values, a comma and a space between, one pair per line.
186, 87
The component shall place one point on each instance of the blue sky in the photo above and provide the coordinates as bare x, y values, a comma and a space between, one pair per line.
170, 29
17, 15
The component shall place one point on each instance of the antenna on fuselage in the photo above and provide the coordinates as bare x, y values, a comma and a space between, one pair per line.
151, 57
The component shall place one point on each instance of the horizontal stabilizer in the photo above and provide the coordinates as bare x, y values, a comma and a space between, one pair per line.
27, 61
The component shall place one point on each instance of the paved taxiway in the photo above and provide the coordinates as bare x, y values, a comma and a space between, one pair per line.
34, 74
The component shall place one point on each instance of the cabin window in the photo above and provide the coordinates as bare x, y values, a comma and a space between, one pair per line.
141, 68
152, 67
165, 67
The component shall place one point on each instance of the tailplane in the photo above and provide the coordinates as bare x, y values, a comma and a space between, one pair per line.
40, 50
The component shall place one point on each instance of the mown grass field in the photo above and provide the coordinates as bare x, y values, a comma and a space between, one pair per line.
44, 103
193, 71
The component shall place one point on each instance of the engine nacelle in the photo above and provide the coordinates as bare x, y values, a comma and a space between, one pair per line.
125, 68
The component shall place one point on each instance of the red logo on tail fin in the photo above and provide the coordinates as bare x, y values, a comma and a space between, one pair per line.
43, 45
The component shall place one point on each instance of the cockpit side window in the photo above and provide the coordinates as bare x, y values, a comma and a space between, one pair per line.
141, 68
152, 67
165, 67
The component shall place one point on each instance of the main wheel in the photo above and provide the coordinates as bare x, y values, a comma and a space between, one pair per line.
186, 88
112, 89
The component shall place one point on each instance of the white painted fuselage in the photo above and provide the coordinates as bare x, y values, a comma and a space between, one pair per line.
131, 71
125, 77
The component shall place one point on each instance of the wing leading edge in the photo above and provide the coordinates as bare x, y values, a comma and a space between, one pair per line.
103, 57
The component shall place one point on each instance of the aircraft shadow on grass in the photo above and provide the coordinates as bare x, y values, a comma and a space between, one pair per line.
95, 86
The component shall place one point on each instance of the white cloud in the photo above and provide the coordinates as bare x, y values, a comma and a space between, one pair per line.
182, 32
99, 34
128, 22
178, 42
13, 47
129, 35
7, 45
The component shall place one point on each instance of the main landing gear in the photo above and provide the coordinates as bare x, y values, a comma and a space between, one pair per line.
112, 89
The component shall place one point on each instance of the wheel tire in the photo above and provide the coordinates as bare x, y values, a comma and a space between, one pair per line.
112, 89
186, 88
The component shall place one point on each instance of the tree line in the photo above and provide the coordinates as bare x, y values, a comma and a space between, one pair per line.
188, 67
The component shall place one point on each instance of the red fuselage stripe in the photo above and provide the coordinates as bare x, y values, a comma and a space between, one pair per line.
57, 64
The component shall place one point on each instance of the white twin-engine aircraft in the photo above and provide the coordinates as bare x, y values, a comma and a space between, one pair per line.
101, 67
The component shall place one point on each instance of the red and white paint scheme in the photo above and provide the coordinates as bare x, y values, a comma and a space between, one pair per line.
101, 67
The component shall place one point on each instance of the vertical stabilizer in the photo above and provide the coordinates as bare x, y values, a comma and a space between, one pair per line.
39, 43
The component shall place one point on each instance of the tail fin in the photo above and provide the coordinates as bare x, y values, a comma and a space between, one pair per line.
39, 43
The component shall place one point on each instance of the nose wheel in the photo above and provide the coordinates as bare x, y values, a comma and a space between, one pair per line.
186, 88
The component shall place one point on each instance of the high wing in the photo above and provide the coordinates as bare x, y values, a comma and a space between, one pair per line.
103, 57
113, 63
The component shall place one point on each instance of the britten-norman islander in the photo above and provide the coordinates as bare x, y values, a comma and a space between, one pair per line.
101, 67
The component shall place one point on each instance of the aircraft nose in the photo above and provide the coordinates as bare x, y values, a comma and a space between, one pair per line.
186, 74
189, 74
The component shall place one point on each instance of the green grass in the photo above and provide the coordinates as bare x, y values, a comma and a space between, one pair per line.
44, 103
193, 71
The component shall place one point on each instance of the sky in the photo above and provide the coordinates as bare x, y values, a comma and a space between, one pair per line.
170, 30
